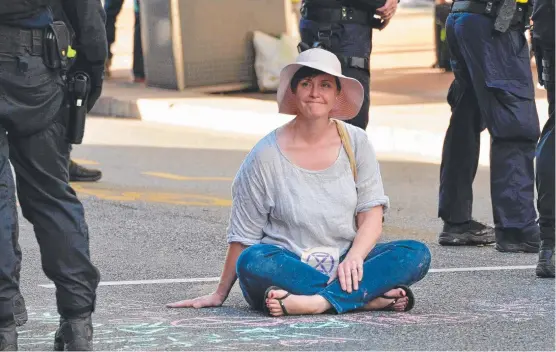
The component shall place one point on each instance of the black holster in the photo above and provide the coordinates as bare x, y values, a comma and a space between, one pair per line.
79, 86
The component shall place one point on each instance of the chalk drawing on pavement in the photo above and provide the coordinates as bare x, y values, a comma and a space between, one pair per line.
135, 325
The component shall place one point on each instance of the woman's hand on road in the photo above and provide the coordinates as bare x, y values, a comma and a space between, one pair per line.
212, 300
350, 272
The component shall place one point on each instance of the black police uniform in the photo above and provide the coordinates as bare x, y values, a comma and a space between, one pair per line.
345, 28
493, 88
543, 40
33, 121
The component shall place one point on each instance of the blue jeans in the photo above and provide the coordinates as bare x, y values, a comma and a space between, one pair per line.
388, 265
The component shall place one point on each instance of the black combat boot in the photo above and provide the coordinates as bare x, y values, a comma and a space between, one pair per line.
513, 242
20, 311
82, 174
468, 233
75, 334
8, 335
545, 265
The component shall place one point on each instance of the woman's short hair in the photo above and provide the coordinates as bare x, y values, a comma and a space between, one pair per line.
306, 72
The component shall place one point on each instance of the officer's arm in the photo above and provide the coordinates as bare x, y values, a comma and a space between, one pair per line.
543, 23
88, 19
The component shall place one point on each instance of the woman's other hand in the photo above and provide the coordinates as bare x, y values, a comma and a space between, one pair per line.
212, 300
350, 272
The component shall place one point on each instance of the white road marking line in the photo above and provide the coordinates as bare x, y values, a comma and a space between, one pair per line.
149, 282
216, 279
483, 268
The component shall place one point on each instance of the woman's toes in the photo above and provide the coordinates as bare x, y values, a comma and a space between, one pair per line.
275, 309
397, 301
276, 294
401, 303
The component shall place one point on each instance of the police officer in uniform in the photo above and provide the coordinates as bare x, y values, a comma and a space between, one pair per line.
34, 114
543, 40
493, 89
344, 27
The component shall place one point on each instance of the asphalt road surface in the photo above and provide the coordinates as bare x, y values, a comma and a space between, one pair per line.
158, 221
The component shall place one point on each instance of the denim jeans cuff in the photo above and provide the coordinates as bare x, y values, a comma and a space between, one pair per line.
338, 308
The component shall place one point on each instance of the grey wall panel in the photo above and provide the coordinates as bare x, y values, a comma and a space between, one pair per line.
156, 33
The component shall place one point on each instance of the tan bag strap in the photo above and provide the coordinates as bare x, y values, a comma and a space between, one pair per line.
346, 141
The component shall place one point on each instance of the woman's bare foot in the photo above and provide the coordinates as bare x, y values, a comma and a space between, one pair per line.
380, 303
295, 305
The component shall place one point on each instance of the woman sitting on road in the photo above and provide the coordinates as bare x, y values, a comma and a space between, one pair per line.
307, 209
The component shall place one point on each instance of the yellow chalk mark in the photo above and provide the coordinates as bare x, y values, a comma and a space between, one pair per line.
85, 161
152, 197
185, 178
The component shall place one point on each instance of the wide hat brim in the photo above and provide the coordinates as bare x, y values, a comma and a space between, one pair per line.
347, 105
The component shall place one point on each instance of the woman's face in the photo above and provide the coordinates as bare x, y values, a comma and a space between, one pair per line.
316, 96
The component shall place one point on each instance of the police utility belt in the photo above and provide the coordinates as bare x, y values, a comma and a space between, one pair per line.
340, 15
52, 43
507, 13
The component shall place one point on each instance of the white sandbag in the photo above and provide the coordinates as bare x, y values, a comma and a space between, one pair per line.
271, 55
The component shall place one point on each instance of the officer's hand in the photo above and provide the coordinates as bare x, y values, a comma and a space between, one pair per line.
383, 25
387, 11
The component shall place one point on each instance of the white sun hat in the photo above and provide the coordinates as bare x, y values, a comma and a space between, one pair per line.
351, 95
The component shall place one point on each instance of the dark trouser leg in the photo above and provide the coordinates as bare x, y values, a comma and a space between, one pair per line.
460, 155
138, 64
112, 9
545, 176
500, 72
50, 204
364, 77
545, 187
10, 254
545, 182
388, 265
